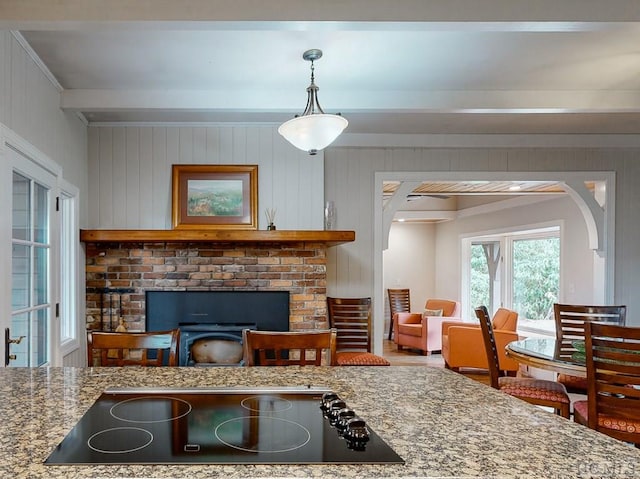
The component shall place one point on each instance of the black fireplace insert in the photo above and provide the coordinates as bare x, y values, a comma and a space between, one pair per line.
215, 315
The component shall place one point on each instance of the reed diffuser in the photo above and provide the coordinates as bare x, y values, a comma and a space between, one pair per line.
271, 216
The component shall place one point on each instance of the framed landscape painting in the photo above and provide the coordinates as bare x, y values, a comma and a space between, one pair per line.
215, 196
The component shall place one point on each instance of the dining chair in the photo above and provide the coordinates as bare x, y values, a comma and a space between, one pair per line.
570, 323
351, 318
540, 392
132, 349
289, 348
613, 382
399, 302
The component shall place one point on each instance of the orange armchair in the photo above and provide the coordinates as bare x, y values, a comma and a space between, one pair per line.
463, 346
423, 332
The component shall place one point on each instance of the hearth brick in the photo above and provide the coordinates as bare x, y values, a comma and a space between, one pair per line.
299, 268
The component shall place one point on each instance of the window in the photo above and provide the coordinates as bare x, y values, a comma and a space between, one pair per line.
535, 282
68, 311
485, 275
30, 259
519, 270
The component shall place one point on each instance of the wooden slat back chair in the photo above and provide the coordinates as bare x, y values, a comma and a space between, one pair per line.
613, 378
132, 349
399, 302
534, 391
570, 327
351, 318
289, 348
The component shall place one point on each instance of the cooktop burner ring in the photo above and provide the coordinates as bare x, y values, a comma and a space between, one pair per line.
304, 435
280, 404
149, 399
118, 430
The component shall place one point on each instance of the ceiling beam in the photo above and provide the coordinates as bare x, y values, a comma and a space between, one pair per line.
525, 102
328, 10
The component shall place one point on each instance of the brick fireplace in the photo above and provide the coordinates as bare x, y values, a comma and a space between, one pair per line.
129, 269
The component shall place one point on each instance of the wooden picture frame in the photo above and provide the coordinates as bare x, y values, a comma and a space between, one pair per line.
215, 197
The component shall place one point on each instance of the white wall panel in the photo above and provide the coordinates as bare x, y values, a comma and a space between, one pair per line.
213, 145
264, 148
199, 154
160, 178
132, 176
93, 164
185, 145
627, 276
349, 183
145, 152
133, 171
119, 166
18, 94
104, 194
5, 75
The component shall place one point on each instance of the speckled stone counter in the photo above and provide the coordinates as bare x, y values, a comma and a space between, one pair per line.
441, 423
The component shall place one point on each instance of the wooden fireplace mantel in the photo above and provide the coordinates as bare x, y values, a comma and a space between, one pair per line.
330, 238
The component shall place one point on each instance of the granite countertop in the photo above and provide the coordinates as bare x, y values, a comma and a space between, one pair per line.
442, 423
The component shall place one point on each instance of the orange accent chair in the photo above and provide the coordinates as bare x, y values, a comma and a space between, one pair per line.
421, 330
463, 347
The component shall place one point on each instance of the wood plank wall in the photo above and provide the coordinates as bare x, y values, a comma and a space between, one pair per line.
30, 106
130, 173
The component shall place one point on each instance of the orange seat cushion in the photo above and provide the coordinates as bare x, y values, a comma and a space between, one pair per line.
581, 409
573, 383
357, 358
534, 389
410, 329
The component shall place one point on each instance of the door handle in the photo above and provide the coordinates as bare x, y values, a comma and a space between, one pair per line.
8, 357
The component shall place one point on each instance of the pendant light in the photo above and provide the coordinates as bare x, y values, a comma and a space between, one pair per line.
314, 129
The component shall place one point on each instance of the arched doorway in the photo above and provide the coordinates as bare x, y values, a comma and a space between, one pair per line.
596, 205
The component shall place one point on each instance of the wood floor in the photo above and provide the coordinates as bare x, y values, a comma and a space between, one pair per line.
407, 357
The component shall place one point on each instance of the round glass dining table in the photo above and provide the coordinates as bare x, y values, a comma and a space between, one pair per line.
542, 353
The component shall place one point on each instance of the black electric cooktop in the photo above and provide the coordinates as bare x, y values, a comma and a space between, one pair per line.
222, 426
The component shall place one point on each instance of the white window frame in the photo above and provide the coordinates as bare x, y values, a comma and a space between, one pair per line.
26, 164
68, 324
506, 237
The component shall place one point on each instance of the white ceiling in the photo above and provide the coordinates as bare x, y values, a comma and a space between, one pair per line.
389, 66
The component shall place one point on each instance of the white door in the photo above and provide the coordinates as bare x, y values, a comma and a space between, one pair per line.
28, 200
